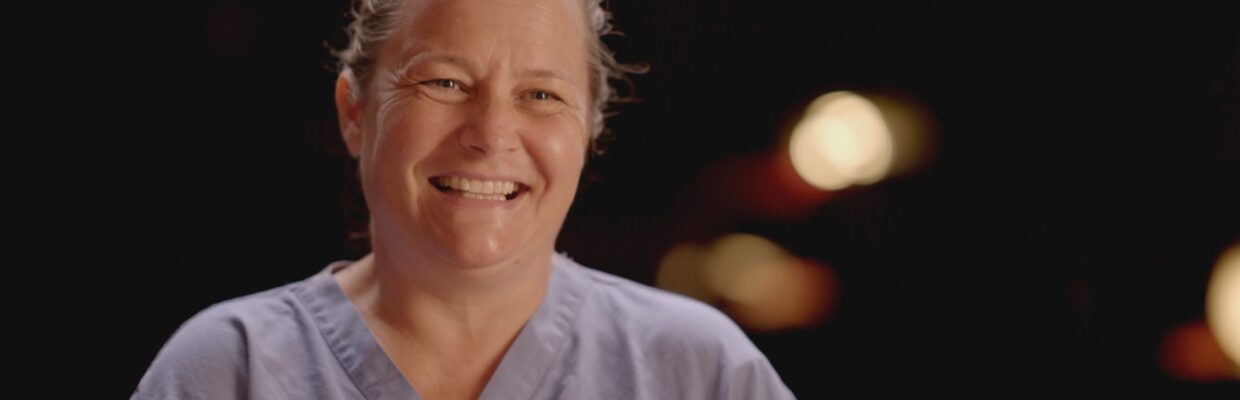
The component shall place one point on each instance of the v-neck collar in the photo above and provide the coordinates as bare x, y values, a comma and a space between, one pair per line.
520, 372
342, 327
526, 363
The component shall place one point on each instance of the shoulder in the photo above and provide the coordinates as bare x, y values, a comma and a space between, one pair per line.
668, 318
208, 354
675, 338
233, 321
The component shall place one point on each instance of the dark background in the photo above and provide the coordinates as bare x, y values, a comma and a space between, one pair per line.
1086, 182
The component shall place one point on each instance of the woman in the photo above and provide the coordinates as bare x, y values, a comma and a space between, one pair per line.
471, 121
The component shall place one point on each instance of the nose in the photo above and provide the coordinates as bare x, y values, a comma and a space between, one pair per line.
492, 128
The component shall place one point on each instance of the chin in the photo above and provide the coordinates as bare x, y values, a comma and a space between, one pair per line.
479, 254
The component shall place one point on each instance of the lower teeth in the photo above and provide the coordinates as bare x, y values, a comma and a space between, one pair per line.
482, 196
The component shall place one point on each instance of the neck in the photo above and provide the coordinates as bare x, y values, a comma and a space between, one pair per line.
444, 307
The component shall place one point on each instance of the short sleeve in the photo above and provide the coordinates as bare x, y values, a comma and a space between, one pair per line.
745, 372
754, 378
685, 348
204, 359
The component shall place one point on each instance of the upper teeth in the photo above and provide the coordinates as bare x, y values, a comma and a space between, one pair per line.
474, 186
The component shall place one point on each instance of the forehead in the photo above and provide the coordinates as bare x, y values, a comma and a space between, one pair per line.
521, 33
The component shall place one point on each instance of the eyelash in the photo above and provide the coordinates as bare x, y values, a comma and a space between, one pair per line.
456, 85
550, 96
439, 83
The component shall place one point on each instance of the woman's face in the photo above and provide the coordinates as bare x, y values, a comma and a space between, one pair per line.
473, 131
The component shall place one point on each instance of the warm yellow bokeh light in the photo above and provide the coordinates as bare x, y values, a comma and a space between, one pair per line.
732, 257
1223, 302
842, 140
681, 271
786, 294
756, 281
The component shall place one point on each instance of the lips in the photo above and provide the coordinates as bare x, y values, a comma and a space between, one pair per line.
494, 190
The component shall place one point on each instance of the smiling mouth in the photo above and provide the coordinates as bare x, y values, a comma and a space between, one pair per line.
478, 189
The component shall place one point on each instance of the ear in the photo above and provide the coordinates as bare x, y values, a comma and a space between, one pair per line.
348, 112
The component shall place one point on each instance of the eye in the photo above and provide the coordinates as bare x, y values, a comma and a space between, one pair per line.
443, 83
543, 95
444, 90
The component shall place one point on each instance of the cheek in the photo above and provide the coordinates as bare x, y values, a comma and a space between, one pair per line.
560, 154
405, 135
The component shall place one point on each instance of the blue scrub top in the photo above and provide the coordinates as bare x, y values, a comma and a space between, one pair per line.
594, 336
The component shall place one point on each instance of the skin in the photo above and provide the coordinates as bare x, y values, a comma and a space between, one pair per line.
477, 88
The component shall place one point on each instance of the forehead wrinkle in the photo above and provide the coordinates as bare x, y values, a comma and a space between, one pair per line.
407, 33
418, 46
430, 56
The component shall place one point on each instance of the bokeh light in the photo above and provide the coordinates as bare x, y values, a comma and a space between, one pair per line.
1191, 353
791, 292
847, 139
735, 260
842, 140
1223, 302
680, 271
778, 192
761, 285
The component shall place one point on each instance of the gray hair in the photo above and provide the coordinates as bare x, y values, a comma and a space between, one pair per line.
372, 23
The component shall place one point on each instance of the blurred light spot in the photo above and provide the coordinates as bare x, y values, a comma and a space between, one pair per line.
778, 192
846, 139
731, 258
680, 271
1223, 302
789, 293
842, 140
756, 281
1191, 353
